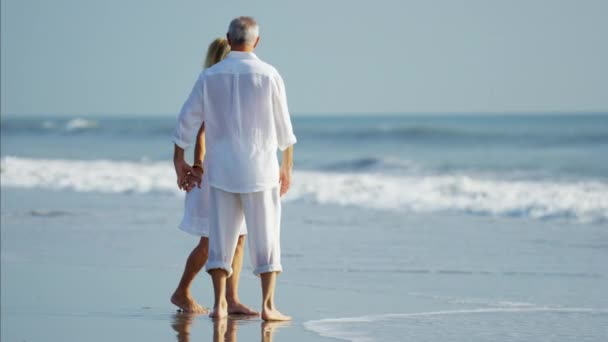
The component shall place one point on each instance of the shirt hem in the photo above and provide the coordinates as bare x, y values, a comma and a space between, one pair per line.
291, 141
247, 190
182, 144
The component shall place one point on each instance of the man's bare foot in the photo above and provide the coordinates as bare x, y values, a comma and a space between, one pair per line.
238, 308
219, 311
187, 303
274, 315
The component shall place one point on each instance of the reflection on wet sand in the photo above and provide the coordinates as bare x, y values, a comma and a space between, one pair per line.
268, 329
181, 324
223, 329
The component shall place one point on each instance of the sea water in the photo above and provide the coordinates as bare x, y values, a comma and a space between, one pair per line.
540, 166
397, 227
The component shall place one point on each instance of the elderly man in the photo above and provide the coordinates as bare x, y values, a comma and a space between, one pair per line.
243, 104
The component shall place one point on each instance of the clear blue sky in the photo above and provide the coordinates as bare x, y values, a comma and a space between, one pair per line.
83, 57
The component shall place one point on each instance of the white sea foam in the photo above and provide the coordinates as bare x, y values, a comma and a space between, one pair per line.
88, 176
341, 328
585, 201
80, 124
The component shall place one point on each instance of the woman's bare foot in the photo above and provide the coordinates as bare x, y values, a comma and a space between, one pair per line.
219, 310
274, 315
185, 302
238, 308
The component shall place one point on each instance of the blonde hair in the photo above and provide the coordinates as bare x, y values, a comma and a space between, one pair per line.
218, 49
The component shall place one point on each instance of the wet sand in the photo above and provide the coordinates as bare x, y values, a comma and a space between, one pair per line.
99, 267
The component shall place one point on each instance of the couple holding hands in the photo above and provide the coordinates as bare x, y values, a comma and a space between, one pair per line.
238, 107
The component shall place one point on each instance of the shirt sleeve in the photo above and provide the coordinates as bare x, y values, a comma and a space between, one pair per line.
190, 117
282, 121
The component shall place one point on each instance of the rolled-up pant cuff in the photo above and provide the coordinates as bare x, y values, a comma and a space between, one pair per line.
214, 265
267, 268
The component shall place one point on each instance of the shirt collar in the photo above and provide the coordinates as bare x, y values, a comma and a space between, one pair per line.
241, 55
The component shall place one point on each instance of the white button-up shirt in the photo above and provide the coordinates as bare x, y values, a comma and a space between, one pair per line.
243, 104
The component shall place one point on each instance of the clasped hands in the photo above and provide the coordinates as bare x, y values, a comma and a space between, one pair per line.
187, 176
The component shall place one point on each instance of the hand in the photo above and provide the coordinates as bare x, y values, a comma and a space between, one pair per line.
284, 178
196, 176
193, 179
187, 177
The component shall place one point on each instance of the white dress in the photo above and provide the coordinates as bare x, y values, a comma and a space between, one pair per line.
196, 211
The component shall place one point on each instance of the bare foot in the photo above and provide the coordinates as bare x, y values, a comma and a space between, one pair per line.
238, 308
274, 315
219, 311
187, 303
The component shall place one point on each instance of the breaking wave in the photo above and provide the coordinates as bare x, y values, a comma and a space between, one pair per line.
582, 201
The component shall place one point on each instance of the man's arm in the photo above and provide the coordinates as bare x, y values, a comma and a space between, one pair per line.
282, 120
285, 136
182, 169
189, 121
285, 171
187, 176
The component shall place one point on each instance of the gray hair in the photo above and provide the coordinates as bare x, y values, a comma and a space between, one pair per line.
243, 31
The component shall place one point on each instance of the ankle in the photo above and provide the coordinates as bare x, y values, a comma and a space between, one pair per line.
232, 300
182, 292
268, 304
222, 303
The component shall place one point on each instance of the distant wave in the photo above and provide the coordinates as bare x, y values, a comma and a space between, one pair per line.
49, 213
80, 124
373, 164
41, 127
583, 201
458, 135
401, 132
409, 131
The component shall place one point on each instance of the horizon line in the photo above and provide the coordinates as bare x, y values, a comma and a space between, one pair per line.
330, 113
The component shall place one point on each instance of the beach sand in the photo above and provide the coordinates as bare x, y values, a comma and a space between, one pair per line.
95, 267
98, 267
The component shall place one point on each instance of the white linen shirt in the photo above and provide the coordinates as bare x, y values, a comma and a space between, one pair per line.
243, 104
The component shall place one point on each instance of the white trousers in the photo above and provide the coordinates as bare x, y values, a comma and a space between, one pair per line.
262, 214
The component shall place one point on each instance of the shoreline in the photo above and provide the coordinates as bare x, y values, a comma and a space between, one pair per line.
102, 266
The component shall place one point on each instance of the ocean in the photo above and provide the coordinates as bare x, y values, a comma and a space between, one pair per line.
397, 227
